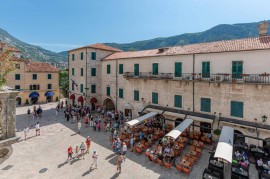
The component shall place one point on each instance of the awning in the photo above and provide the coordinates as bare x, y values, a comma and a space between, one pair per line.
141, 119
34, 95
93, 100
201, 119
127, 106
80, 99
177, 115
49, 93
153, 110
224, 149
72, 96
179, 129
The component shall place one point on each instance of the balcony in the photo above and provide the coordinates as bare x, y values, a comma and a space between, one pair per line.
217, 78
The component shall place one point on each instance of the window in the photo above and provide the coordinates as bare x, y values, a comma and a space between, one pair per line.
237, 109
136, 95
206, 104
17, 87
49, 76
237, 69
178, 101
121, 69
206, 69
34, 87
49, 86
178, 69
93, 88
154, 98
81, 71
108, 69
17, 76
81, 55
81, 88
93, 55
73, 71
17, 66
73, 57
121, 93
136, 69
93, 71
34, 76
108, 91
155, 68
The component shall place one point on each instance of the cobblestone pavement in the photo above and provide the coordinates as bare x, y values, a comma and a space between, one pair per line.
44, 156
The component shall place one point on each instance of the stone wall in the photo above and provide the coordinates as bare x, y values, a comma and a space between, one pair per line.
7, 114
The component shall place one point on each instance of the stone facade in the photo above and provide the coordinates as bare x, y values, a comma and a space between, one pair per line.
7, 114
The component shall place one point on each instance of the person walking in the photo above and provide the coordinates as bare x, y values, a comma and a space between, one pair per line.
25, 131
28, 112
70, 152
37, 129
95, 158
119, 162
79, 127
132, 143
33, 115
94, 126
77, 152
124, 150
57, 110
88, 143
82, 147
99, 126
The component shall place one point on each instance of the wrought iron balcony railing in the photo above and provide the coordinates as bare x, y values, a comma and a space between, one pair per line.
220, 77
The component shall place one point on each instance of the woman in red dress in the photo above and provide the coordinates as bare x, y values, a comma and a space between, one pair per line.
88, 143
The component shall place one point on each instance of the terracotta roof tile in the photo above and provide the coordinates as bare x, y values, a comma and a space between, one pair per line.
257, 43
40, 67
100, 46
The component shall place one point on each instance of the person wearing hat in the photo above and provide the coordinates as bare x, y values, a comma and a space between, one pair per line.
124, 150
95, 157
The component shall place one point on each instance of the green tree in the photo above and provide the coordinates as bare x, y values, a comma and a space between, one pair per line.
6, 66
63, 82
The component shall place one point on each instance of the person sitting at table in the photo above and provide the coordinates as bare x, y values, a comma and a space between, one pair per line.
141, 135
167, 150
125, 128
243, 163
209, 135
237, 154
244, 155
260, 164
160, 157
176, 147
159, 149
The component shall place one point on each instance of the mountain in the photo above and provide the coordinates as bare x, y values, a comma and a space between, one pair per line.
217, 33
31, 51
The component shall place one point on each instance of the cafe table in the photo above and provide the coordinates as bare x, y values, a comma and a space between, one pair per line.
198, 149
191, 152
257, 150
239, 171
140, 146
185, 163
216, 163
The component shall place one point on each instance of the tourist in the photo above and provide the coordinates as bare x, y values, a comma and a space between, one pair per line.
124, 150
98, 126
26, 131
37, 129
70, 152
141, 135
79, 127
56, 110
119, 162
77, 152
28, 112
82, 147
33, 115
94, 126
132, 143
86, 120
91, 121
95, 158
88, 143
260, 164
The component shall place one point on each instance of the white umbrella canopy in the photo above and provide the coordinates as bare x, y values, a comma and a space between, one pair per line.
141, 119
179, 129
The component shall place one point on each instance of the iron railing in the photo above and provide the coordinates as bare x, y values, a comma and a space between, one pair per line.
219, 77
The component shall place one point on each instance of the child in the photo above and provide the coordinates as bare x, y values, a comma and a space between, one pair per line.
26, 131
77, 151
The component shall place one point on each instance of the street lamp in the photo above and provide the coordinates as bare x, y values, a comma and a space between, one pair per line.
257, 130
264, 118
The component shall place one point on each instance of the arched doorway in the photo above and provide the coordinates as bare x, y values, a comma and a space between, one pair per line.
72, 97
108, 104
93, 102
18, 101
49, 96
81, 100
238, 137
128, 111
177, 121
34, 97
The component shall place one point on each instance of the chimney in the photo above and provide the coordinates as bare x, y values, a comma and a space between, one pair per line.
263, 29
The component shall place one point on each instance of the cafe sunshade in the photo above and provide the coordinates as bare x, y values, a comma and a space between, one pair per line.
224, 149
141, 119
179, 129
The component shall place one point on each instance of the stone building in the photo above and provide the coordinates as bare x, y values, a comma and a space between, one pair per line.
215, 84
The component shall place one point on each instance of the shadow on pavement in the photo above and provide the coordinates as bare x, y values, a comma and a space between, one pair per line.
115, 175
87, 172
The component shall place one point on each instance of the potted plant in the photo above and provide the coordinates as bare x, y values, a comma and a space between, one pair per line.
245, 75
216, 135
226, 74
264, 74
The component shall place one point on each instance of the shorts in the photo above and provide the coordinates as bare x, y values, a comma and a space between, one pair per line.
124, 152
70, 155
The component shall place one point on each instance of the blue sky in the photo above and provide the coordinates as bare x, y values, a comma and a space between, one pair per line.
59, 25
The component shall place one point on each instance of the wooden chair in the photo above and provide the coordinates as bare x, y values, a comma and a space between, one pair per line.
138, 150
179, 167
203, 139
186, 170
167, 165
153, 158
159, 161
192, 148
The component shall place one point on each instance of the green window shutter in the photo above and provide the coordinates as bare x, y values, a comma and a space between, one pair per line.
93, 55
121, 69
81, 88
73, 57
237, 69
206, 69
206, 104
93, 71
49, 76
73, 71
121, 93
81, 55
108, 91
237, 109
136, 95
93, 88
177, 101
178, 69
17, 76
81, 71
108, 69
34, 76
155, 98
136, 69
155, 68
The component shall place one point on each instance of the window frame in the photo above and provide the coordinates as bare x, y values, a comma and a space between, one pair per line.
203, 104
108, 68
154, 98
181, 101
93, 88
121, 93
136, 95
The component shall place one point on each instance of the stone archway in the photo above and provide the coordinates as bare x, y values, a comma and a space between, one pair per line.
108, 104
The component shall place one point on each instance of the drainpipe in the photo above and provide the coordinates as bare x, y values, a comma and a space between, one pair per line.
193, 84
116, 86
86, 88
